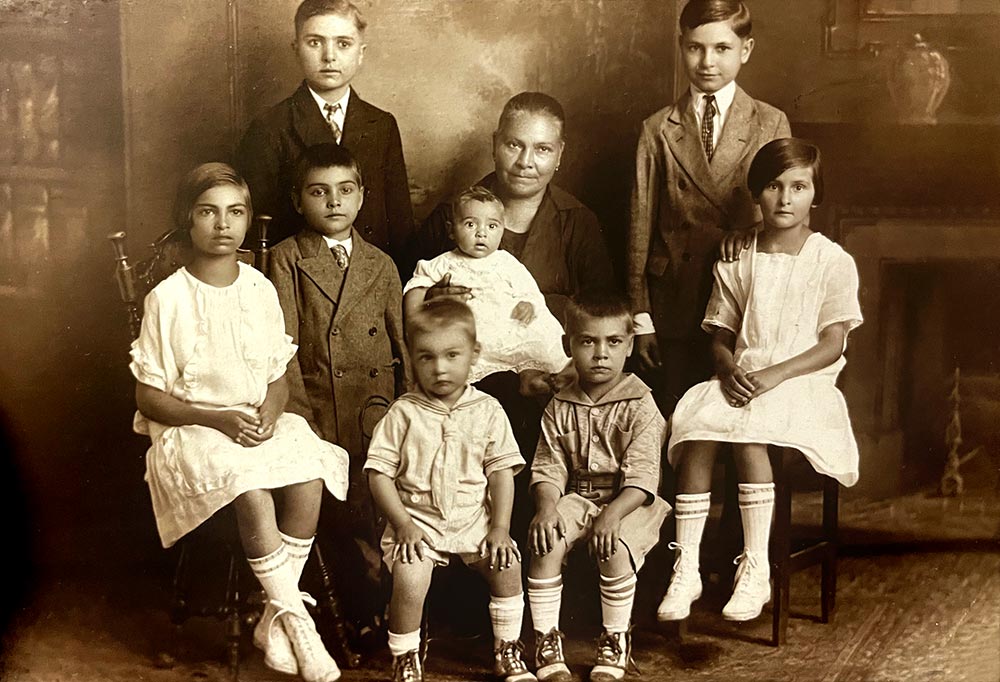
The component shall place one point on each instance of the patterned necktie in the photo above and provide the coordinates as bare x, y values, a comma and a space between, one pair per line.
331, 111
340, 253
708, 126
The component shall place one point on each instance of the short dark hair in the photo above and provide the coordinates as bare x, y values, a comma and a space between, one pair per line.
699, 12
533, 103
198, 181
440, 313
598, 306
777, 156
316, 8
474, 193
324, 155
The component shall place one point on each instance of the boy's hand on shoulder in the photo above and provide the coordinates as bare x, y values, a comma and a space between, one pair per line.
523, 312
410, 541
547, 528
736, 242
737, 387
605, 534
501, 549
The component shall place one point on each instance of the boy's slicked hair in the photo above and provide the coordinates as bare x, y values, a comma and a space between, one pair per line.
700, 12
317, 8
533, 103
597, 306
438, 314
198, 181
777, 156
474, 193
324, 155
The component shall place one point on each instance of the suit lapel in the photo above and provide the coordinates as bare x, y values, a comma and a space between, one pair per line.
357, 122
319, 265
735, 137
308, 121
684, 141
360, 274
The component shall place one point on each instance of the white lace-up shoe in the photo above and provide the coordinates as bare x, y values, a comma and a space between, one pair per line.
684, 589
753, 587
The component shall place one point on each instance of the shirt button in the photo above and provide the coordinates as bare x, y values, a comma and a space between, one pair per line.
595, 438
593, 467
338, 373
414, 498
373, 331
335, 331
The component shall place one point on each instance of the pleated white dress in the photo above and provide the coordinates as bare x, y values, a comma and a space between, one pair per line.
219, 348
777, 304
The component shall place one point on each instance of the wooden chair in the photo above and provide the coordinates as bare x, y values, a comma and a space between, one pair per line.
236, 606
788, 558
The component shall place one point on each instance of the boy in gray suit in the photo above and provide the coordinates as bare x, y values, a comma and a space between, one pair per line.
691, 166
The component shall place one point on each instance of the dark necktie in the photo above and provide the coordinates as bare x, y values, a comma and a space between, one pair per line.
331, 110
708, 126
340, 253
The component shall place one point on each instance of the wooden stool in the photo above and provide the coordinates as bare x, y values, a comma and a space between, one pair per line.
786, 559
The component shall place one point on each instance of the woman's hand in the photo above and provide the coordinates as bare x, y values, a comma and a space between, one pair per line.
736, 385
500, 548
605, 534
547, 528
734, 243
523, 312
443, 288
765, 379
410, 541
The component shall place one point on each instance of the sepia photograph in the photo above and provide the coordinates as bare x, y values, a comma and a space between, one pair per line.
516, 340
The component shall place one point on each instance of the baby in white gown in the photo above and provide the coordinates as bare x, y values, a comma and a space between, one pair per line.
515, 329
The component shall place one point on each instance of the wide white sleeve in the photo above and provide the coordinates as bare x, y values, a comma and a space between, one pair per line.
279, 344
724, 309
840, 299
153, 361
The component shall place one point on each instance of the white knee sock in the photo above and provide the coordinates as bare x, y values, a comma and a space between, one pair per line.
298, 550
617, 596
756, 506
400, 644
506, 616
690, 514
545, 601
277, 576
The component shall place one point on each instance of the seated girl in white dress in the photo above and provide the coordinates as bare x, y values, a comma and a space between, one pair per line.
780, 317
209, 364
513, 325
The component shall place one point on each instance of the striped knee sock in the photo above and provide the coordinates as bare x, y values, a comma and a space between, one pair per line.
756, 502
617, 596
298, 550
545, 600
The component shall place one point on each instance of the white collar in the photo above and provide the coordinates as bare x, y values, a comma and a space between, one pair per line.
321, 103
723, 100
348, 243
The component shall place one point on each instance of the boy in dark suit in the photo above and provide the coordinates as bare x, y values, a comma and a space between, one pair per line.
691, 167
329, 45
342, 302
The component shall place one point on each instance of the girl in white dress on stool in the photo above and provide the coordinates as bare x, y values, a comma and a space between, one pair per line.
779, 317
210, 364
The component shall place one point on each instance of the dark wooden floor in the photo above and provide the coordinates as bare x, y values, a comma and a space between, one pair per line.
918, 599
